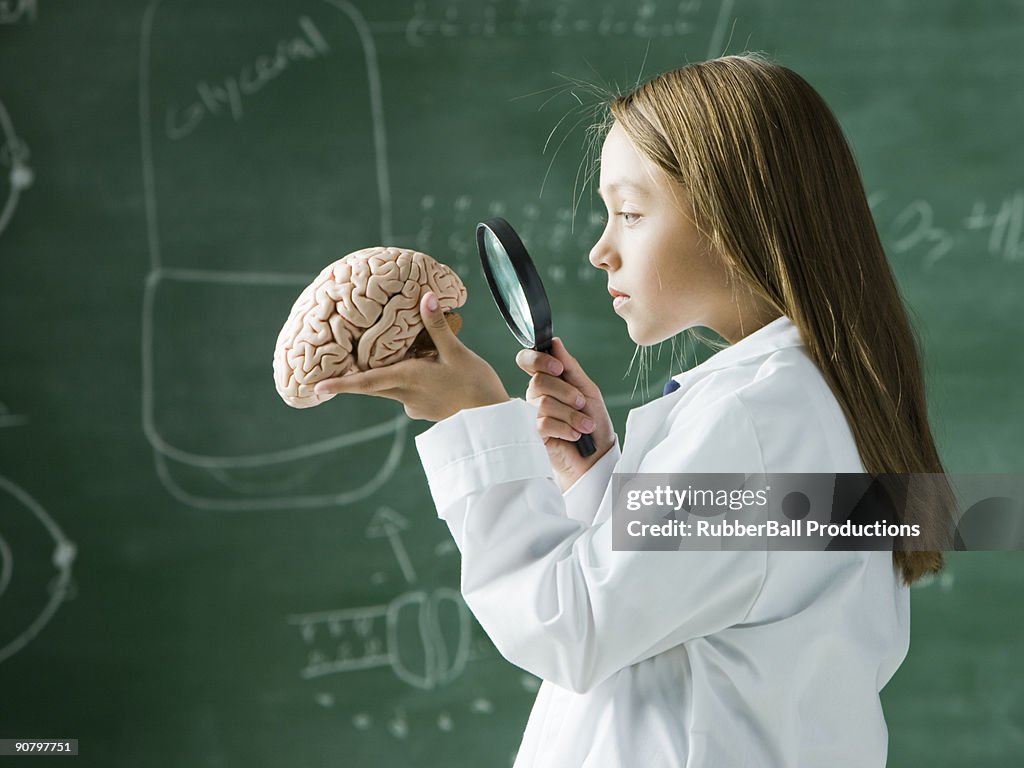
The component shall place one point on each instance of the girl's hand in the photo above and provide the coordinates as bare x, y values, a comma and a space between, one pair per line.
430, 388
566, 408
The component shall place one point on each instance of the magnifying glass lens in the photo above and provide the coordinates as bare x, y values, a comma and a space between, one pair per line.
508, 285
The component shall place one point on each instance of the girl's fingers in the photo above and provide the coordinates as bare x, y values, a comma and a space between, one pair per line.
370, 382
532, 362
556, 419
552, 386
561, 364
573, 370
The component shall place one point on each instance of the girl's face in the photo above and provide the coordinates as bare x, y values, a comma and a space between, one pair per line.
668, 278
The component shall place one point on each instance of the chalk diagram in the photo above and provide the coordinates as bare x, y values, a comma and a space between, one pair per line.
14, 155
8, 419
31, 593
13, 11
423, 636
272, 478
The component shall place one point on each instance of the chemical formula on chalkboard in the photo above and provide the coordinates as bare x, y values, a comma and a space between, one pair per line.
565, 18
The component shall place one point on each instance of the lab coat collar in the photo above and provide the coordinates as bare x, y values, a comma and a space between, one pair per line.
778, 334
644, 421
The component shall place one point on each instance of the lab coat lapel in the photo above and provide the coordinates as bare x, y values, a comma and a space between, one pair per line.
642, 425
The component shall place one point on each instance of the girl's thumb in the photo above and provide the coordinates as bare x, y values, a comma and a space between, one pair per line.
435, 322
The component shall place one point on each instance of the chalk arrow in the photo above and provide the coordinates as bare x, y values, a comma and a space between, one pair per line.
388, 523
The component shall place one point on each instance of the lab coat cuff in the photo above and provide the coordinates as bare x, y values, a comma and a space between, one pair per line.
480, 447
583, 497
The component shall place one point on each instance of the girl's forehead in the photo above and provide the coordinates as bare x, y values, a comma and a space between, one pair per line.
624, 170
622, 166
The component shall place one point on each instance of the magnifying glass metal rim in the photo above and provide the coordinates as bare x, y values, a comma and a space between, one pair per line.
533, 287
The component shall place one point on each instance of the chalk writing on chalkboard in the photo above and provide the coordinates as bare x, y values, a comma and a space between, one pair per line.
914, 229
30, 595
1005, 226
563, 18
226, 95
14, 11
14, 156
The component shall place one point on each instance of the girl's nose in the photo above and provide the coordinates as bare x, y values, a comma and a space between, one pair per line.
602, 255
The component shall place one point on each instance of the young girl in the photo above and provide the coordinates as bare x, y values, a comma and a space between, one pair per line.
734, 203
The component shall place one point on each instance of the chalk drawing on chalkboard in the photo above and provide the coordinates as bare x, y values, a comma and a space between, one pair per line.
944, 581
31, 594
14, 11
389, 524
14, 156
230, 479
214, 448
363, 721
423, 637
8, 419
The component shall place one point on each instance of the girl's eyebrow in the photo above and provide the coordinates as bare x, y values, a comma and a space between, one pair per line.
622, 185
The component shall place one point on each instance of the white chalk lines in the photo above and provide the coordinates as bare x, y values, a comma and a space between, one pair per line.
27, 607
178, 466
14, 154
25, 604
423, 636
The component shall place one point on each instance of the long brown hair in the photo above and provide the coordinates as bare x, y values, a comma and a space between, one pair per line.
776, 189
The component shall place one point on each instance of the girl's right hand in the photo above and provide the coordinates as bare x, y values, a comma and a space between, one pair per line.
566, 407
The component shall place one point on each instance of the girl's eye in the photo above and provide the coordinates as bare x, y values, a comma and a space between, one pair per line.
630, 218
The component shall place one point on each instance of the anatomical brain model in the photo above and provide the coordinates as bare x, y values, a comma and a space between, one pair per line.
361, 312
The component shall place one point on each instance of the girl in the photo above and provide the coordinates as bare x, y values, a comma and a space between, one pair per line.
734, 203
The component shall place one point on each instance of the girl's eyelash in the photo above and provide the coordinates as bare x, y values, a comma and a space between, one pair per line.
623, 214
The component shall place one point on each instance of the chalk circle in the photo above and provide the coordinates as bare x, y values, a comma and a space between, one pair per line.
6, 565
796, 505
21, 176
29, 601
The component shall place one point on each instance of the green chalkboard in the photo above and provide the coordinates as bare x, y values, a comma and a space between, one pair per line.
193, 573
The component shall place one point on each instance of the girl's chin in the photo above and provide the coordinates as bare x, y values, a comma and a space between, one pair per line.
646, 337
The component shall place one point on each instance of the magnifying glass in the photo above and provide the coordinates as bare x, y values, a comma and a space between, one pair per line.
518, 292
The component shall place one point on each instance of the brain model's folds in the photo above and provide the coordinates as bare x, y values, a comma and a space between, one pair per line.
361, 312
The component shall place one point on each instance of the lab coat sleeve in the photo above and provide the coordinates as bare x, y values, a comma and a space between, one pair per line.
583, 497
548, 589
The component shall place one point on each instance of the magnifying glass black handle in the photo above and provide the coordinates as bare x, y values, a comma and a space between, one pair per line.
585, 444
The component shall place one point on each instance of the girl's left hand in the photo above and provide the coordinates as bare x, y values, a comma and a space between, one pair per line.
430, 388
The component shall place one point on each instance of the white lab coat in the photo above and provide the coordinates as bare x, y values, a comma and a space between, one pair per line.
672, 659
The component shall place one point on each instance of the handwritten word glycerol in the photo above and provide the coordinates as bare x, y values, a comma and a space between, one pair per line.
13, 11
226, 97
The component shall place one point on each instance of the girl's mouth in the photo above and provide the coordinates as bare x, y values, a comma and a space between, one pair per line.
618, 298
